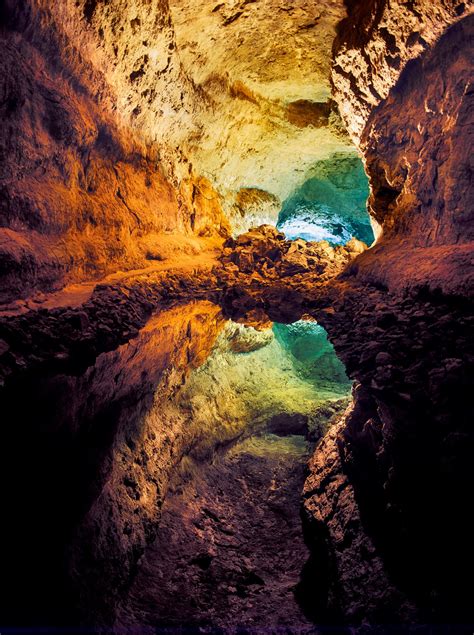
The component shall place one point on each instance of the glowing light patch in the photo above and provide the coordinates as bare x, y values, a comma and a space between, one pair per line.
297, 228
313, 356
317, 222
305, 326
330, 205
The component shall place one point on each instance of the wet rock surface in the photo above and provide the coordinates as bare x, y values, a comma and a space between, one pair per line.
104, 442
95, 466
70, 338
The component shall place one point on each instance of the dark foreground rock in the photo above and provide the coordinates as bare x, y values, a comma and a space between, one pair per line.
230, 546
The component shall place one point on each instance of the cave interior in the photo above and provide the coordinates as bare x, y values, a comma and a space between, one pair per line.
236, 311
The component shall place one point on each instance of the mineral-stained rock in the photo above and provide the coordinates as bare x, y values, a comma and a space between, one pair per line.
375, 42
82, 195
248, 339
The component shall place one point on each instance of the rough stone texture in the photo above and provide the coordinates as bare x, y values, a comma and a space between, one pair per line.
69, 332
96, 469
421, 170
106, 436
405, 447
264, 66
263, 255
250, 207
374, 44
361, 589
81, 193
400, 451
112, 122
71, 335
402, 77
149, 441
227, 575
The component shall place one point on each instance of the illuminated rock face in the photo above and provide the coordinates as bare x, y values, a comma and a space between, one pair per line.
84, 190
377, 479
331, 204
110, 468
264, 67
128, 125
401, 77
420, 166
121, 123
375, 42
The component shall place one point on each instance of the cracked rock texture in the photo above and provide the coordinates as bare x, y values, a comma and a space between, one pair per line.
374, 44
402, 77
377, 480
227, 575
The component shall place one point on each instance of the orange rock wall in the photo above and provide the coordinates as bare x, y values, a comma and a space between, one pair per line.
82, 192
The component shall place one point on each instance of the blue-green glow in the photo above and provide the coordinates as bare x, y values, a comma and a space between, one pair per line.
331, 204
313, 355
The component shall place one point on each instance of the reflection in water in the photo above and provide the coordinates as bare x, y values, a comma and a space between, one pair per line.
96, 454
230, 541
173, 466
221, 415
313, 356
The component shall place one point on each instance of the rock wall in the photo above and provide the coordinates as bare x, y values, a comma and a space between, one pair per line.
402, 78
122, 121
375, 42
396, 474
387, 490
264, 68
88, 185
96, 465
106, 136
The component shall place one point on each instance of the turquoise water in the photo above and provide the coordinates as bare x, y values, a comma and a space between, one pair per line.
331, 204
313, 355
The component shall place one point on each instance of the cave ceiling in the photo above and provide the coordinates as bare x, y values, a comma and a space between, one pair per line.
241, 88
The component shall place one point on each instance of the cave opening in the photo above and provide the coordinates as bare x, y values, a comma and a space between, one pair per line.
331, 204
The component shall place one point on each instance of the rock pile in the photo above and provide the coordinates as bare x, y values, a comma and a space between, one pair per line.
264, 252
